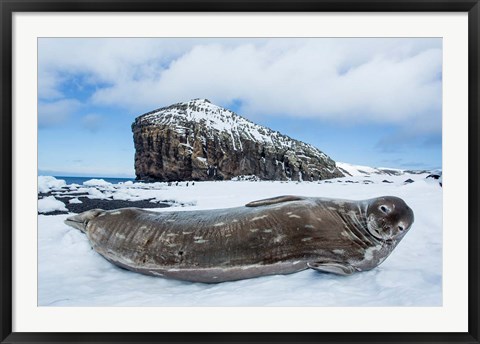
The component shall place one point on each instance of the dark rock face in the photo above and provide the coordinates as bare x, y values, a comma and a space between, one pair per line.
198, 140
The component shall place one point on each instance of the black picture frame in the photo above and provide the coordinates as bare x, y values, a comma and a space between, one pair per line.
9, 7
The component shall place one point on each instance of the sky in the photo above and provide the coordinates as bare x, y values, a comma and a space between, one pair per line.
364, 101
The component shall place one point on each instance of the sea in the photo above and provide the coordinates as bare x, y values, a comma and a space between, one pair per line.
80, 180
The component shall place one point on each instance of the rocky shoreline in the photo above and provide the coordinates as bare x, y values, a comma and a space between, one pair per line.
93, 203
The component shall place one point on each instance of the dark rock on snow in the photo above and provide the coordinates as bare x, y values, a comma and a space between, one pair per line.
105, 204
198, 140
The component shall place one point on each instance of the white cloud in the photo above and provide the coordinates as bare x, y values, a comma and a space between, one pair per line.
92, 122
382, 80
105, 60
56, 112
48, 83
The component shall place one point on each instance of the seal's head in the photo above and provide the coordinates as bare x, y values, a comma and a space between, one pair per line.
389, 218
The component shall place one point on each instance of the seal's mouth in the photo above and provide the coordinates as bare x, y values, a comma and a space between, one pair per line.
375, 230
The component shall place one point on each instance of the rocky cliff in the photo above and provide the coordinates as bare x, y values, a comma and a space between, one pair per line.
198, 140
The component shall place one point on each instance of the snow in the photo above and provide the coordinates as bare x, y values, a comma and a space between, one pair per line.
74, 201
127, 196
49, 183
70, 273
202, 160
49, 204
355, 170
359, 170
96, 182
95, 193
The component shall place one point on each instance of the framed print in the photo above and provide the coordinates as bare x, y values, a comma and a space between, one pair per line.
239, 172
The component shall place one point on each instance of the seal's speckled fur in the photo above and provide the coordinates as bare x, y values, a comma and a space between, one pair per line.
274, 236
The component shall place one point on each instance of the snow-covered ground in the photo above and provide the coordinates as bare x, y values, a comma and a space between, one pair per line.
70, 273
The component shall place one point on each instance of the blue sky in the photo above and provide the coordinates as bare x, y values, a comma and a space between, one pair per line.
365, 101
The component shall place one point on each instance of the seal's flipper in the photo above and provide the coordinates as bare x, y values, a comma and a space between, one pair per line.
334, 268
274, 200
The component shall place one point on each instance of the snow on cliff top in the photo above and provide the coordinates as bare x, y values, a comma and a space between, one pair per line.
359, 170
220, 119
356, 170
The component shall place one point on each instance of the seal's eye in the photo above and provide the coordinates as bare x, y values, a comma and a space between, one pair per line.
401, 228
384, 209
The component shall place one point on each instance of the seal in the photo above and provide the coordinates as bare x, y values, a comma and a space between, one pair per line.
278, 235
